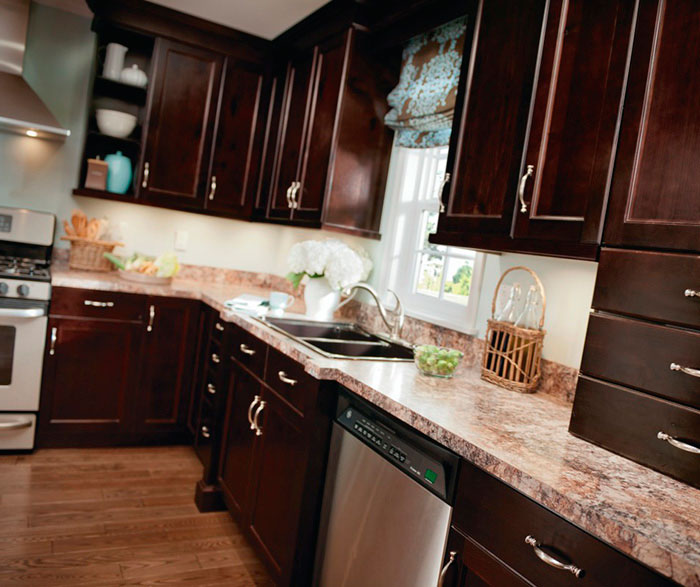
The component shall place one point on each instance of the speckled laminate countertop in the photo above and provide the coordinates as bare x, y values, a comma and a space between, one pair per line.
521, 439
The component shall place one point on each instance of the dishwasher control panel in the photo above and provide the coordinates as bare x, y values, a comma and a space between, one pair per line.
411, 459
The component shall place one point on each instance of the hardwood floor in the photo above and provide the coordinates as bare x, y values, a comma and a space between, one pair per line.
108, 517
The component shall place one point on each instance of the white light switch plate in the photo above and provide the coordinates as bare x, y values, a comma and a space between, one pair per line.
182, 237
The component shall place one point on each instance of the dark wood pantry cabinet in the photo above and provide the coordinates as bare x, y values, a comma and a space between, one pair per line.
117, 369
533, 144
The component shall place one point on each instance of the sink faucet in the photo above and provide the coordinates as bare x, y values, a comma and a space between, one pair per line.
394, 327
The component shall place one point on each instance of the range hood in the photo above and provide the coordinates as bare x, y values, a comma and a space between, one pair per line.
21, 110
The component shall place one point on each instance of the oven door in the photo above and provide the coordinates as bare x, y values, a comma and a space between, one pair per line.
22, 336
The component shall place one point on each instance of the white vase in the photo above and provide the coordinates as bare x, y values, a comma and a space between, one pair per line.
114, 61
320, 299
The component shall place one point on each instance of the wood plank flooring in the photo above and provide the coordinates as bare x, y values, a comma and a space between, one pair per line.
121, 516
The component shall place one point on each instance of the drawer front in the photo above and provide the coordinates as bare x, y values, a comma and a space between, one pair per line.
628, 422
649, 285
17, 431
67, 301
248, 350
500, 519
661, 360
289, 380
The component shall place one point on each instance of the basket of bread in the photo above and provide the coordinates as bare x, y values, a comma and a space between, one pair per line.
146, 269
87, 249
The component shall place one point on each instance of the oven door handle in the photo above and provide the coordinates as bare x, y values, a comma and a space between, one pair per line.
15, 424
22, 312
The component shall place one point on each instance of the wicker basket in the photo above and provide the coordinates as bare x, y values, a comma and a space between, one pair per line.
88, 254
512, 355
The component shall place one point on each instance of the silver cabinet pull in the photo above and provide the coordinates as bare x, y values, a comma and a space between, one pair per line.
443, 573
151, 317
289, 195
293, 196
219, 327
550, 560
445, 181
146, 173
686, 370
205, 432
211, 389
212, 187
95, 304
679, 444
691, 293
284, 379
256, 399
215, 358
246, 349
52, 347
15, 425
261, 407
521, 188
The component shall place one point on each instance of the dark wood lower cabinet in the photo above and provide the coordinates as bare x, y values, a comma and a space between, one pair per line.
117, 369
90, 371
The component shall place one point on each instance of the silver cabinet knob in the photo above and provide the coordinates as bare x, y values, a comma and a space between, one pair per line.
256, 399
146, 174
219, 326
215, 358
441, 202
679, 444
521, 188
211, 389
205, 432
443, 573
245, 349
284, 379
550, 560
686, 370
258, 411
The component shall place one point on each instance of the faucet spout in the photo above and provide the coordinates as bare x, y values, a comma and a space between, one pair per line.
393, 326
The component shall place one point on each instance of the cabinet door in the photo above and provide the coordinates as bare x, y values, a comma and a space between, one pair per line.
293, 128
88, 382
328, 83
167, 359
467, 564
493, 103
238, 439
180, 124
234, 173
573, 124
655, 193
280, 464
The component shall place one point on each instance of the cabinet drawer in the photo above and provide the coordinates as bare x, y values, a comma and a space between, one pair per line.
649, 285
248, 350
68, 301
661, 360
499, 519
289, 380
628, 422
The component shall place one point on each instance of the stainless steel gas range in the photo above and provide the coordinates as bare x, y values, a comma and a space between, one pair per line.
26, 240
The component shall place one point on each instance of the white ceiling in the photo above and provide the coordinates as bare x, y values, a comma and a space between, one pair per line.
265, 18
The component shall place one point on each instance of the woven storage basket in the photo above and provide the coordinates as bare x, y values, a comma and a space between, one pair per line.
512, 354
88, 254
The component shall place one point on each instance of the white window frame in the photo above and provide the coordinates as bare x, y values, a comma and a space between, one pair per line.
407, 200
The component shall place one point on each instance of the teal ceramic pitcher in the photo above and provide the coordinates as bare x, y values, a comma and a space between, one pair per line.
119, 173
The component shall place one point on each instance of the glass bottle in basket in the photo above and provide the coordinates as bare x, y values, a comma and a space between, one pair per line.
529, 317
501, 343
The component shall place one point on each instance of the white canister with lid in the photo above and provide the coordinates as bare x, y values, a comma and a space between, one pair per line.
134, 76
114, 61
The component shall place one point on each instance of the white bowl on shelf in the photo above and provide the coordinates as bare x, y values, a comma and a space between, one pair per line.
115, 123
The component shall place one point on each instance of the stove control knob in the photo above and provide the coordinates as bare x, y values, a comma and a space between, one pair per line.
3, 288
23, 290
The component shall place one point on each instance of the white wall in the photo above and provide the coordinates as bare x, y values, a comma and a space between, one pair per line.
41, 174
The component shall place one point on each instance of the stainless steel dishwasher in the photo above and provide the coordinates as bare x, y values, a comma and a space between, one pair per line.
386, 505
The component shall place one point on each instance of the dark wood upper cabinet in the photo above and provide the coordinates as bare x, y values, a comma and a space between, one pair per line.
572, 130
180, 124
239, 140
330, 158
532, 153
168, 360
492, 111
654, 198
296, 104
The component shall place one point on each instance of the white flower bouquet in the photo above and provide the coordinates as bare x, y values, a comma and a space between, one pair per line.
339, 263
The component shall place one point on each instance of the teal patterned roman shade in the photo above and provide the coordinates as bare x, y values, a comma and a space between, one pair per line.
422, 104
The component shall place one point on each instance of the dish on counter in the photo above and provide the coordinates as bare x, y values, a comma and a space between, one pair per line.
437, 361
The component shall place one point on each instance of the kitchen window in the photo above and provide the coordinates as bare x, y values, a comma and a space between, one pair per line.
436, 283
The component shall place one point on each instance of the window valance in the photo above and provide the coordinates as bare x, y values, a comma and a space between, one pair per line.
422, 104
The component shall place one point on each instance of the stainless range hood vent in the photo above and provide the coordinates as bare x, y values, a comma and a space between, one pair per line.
21, 110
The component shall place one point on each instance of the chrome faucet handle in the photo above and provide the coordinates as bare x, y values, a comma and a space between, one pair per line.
399, 316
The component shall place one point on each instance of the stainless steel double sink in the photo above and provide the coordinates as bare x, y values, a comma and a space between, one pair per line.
341, 340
